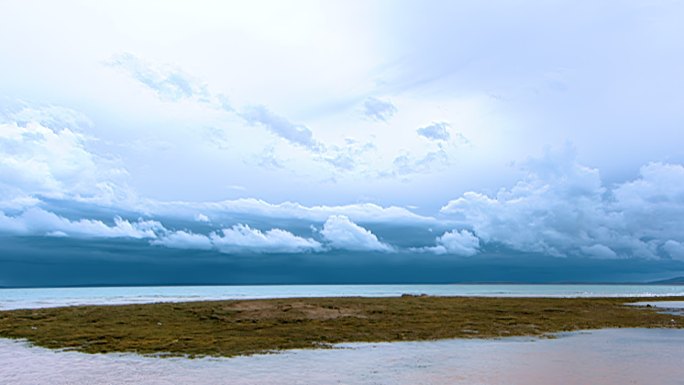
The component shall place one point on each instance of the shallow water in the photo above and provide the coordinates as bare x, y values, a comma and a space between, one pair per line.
662, 304
611, 356
53, 297
667, 307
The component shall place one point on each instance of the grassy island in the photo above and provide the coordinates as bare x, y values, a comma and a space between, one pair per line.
229, 328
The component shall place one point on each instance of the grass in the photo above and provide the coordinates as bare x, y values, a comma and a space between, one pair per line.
230, 328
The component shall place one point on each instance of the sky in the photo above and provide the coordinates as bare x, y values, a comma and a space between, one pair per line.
340, 141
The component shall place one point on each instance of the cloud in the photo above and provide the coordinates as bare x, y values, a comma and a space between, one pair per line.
361, 212
562, 208
441, 145
36, 221
463, 243
184, 240
37, 160
674, 249
294, 133
435, 131
12, 225
598, 251
268, 159
18, 203
407, 164
338, 232
377, 109
172, 84
237, 239
347, 157
342, 233
169, 83
201, 218
50, 116
240, 238
342, 161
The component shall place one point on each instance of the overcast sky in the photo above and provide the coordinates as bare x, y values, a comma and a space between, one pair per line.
551, 127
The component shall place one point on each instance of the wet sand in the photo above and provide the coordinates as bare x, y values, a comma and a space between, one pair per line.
609, 356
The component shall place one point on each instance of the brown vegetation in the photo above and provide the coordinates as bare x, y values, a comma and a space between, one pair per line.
228, 328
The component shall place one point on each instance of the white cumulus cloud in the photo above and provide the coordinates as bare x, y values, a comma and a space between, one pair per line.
244, 238
37, 160
341, 233
562, 208
240, 238
36, 221
462, 243
201, 218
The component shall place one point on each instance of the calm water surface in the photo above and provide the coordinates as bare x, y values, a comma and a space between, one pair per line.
37, 298
611, 356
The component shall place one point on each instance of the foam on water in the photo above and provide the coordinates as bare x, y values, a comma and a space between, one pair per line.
612, 356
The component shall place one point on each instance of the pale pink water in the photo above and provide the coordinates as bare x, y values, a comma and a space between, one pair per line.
612, 356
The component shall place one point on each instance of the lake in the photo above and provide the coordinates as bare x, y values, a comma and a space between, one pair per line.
54, 297
608, 357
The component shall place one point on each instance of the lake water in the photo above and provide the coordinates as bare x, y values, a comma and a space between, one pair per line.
611, 356
53, 297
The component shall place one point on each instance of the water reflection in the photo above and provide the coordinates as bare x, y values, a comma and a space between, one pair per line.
613, 356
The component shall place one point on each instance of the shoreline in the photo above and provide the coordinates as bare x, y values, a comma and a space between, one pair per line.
244, 327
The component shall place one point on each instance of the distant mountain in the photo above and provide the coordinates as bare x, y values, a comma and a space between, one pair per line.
671, 281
